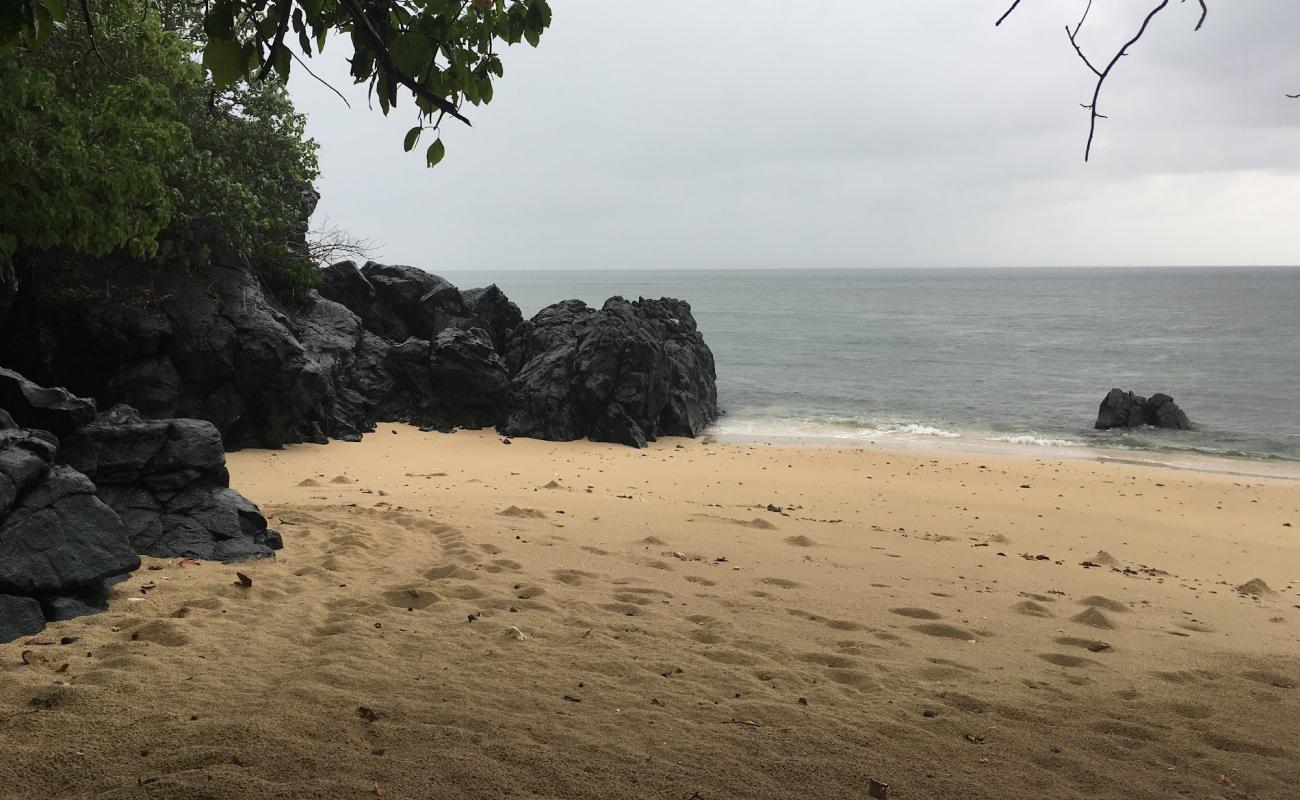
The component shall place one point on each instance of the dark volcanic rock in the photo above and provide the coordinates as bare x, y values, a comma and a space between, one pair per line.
498, 316
625, 373
19, 616
56, 536
1163, 412
167, 480
1121, 409
397, 302
172, 344
31, 406
469, 384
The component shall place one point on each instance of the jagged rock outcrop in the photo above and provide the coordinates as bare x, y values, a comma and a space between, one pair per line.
1121, 409
377, 343
627, 373
59, 542
75, 514
168, 482
171, 344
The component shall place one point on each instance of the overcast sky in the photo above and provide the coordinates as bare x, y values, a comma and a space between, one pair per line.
840, 133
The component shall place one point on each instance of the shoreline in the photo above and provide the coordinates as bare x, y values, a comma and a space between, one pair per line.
1241, 466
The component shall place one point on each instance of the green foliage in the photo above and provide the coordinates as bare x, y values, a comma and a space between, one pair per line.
83, 153
441, 53
131, 148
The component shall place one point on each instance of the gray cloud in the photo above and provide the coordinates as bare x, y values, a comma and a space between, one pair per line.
837, 133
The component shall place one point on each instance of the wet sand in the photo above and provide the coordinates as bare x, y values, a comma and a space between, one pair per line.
456, 617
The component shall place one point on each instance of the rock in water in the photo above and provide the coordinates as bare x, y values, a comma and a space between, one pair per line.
1123, 409
1163, 412
626, 373
167, 479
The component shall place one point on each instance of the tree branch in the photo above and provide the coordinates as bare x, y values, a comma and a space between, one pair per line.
1073, 36
324, 82
90, 32
376, 42
278, 41
1105, 73
1007, 13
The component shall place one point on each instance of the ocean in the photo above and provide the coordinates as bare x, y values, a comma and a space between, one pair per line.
981, 357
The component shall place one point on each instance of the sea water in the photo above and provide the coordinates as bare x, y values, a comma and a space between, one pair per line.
981, 356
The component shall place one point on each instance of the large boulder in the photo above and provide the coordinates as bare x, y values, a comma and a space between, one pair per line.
625, 373
56, 536
168, 482
1121, 409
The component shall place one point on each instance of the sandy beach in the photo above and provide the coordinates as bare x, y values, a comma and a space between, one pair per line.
456, 617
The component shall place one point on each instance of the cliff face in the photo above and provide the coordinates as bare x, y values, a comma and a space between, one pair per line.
375, 343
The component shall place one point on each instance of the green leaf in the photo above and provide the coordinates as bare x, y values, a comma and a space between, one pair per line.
55, 7
225, 60
435, 153
412, 136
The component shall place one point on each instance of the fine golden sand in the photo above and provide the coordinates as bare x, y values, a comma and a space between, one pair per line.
453, 617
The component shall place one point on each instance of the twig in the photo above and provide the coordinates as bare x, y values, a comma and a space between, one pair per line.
1007, 13
319, 78
90, 31
749, 723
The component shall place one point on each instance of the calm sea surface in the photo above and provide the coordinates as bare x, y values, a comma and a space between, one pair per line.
998, 355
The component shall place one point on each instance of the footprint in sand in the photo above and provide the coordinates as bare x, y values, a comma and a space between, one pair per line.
701, 581
161, 631
843, 625
522, 513
1094, 618
626, 609
705, 636
1032, 609
571, 577
800, 541
1091, 645
916, 613
410, 598
490, 549
944, 631
1097, 601
1274, 679
829, 660
784, 583
450, 572
529, 592
1065, 660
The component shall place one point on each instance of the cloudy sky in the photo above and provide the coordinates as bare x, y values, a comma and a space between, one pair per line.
841, 133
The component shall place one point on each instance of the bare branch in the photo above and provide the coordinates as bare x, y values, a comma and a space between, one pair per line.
1105, 73
324, 82
1007, 13
328, 244
1073, 36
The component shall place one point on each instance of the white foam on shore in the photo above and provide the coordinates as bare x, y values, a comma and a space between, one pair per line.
1039, 441
921, 436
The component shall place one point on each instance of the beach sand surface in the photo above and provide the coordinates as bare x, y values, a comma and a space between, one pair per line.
455, 617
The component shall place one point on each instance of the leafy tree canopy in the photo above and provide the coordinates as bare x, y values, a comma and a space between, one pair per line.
439, 53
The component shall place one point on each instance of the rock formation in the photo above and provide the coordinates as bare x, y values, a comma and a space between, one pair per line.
75, 514
1121, 409
376, 343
